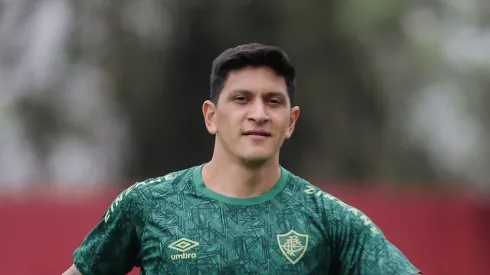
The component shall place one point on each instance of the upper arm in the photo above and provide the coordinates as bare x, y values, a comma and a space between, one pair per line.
363, 249
72, 271
112, 246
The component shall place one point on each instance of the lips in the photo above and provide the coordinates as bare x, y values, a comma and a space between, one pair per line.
257, 132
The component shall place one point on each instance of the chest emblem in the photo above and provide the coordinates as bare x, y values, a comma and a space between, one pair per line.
293, 245
182, 245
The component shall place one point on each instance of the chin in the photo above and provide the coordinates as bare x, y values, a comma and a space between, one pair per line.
255, 163
256, 159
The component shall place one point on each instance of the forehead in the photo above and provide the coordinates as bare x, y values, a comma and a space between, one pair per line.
255, 79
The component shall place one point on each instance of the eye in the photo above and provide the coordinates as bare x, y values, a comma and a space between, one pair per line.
275, 101
240, 99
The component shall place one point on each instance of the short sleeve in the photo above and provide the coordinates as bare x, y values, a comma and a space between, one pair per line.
362, 249
111, 247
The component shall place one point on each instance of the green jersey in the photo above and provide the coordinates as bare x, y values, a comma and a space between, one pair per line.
175, 225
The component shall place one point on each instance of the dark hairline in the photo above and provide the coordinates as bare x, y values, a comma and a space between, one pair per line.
252, 55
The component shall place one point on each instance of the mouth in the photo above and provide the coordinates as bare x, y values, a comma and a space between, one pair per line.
257, 133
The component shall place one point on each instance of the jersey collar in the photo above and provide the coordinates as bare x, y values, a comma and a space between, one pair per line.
201, 187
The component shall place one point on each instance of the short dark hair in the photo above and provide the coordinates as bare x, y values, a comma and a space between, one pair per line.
255, 55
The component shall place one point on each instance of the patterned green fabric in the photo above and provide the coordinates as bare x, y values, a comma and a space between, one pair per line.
175, 225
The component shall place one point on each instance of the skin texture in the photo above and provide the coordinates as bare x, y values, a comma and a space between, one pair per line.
252, 99
72, 271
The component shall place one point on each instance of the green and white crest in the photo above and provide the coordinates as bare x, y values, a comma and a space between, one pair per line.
293, 245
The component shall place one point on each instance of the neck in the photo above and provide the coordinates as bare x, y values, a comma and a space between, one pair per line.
238, 180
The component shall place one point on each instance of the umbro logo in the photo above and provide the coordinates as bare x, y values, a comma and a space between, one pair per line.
183, 245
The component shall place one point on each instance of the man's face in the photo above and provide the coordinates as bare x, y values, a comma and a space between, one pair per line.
253, 116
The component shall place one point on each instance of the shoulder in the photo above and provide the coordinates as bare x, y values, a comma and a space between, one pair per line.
162, 184
152, 189
311, 194
143, 193
334, 211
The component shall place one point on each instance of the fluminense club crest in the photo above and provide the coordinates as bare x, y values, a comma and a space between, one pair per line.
293, 245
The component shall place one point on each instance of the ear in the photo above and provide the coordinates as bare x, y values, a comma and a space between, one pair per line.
209, 111
292, 121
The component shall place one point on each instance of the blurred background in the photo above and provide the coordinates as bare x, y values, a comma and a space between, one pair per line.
395, 99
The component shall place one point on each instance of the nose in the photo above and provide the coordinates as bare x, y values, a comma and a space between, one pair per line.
258, 113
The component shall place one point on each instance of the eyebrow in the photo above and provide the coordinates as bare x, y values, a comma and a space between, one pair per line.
275, 94
266, 94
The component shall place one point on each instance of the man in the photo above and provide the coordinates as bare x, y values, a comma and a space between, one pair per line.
240, 213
